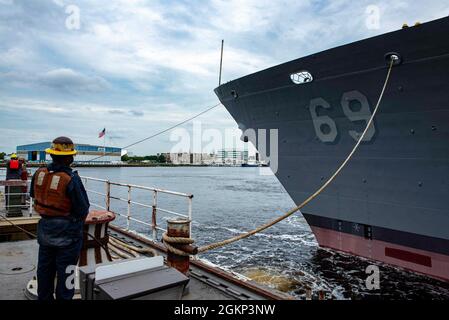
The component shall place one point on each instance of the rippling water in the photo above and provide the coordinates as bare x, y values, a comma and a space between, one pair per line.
229, 201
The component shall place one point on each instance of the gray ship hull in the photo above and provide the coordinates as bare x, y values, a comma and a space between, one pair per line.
391, 202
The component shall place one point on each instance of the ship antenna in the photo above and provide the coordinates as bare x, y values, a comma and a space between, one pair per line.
221, 62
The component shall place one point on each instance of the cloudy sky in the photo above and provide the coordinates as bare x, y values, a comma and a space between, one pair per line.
136, 67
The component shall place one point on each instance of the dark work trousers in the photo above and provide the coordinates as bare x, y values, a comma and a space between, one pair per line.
54, 261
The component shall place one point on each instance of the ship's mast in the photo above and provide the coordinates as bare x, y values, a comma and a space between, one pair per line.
221, 62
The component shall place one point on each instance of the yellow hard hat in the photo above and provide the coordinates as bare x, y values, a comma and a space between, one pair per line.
14, 156
62, 146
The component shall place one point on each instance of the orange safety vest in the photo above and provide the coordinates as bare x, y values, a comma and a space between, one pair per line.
14, 164
50, 196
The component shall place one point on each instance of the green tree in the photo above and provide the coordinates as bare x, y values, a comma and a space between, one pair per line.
159, 158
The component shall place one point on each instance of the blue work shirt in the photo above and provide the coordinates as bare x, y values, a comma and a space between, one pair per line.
64, 231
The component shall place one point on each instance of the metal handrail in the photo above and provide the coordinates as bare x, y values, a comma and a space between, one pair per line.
108, 197
128, 216
187, 195
28, 202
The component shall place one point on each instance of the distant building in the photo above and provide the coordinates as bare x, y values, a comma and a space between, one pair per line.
181, 158
86, 153
208, 158
232, 157
167, 157
189, 158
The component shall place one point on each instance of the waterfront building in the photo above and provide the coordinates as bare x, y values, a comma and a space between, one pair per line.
189, 158
232, 157
87, 154
208, 158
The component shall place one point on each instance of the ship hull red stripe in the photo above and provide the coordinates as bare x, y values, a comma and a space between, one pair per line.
429, 263
408, 256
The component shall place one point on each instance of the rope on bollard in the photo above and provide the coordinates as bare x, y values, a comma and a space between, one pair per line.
168, 241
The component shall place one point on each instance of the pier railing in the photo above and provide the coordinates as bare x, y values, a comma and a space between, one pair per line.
28, 201
154, 207
107, 195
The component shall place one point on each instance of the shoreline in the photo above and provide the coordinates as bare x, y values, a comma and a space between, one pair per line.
128, 165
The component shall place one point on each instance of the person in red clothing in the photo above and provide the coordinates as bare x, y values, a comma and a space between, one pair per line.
13, 172
13, 168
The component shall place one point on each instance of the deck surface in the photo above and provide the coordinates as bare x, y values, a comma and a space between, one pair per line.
18, 261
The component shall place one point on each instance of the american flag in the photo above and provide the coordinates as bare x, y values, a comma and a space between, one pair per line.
102, 133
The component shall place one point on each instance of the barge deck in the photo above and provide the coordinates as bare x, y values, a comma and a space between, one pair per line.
18, 262
19, 252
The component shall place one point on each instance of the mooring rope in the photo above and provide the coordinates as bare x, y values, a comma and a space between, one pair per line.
170, 241
121, 252
318, 191
131, 247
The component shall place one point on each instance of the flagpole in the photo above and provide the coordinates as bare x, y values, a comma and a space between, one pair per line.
104, 144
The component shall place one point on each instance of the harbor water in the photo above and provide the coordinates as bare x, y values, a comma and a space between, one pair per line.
231, 200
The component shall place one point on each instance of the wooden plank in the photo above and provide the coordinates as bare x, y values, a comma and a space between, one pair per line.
13, 183
28, 223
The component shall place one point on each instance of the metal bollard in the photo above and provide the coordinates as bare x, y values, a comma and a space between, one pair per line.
14, 202
179, 228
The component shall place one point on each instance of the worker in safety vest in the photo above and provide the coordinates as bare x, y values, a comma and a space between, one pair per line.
13, 168
61, 200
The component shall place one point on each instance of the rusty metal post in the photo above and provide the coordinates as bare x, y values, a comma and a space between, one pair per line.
179, 228
128, 213
154, 216
108, 196
190, 214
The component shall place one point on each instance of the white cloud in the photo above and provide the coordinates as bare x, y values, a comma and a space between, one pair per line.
17, 57
140, 66
67, 79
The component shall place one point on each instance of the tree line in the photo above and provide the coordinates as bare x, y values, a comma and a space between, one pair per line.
153, 158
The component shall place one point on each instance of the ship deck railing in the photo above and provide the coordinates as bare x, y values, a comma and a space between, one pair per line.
207, 281
107, 196
155, 208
